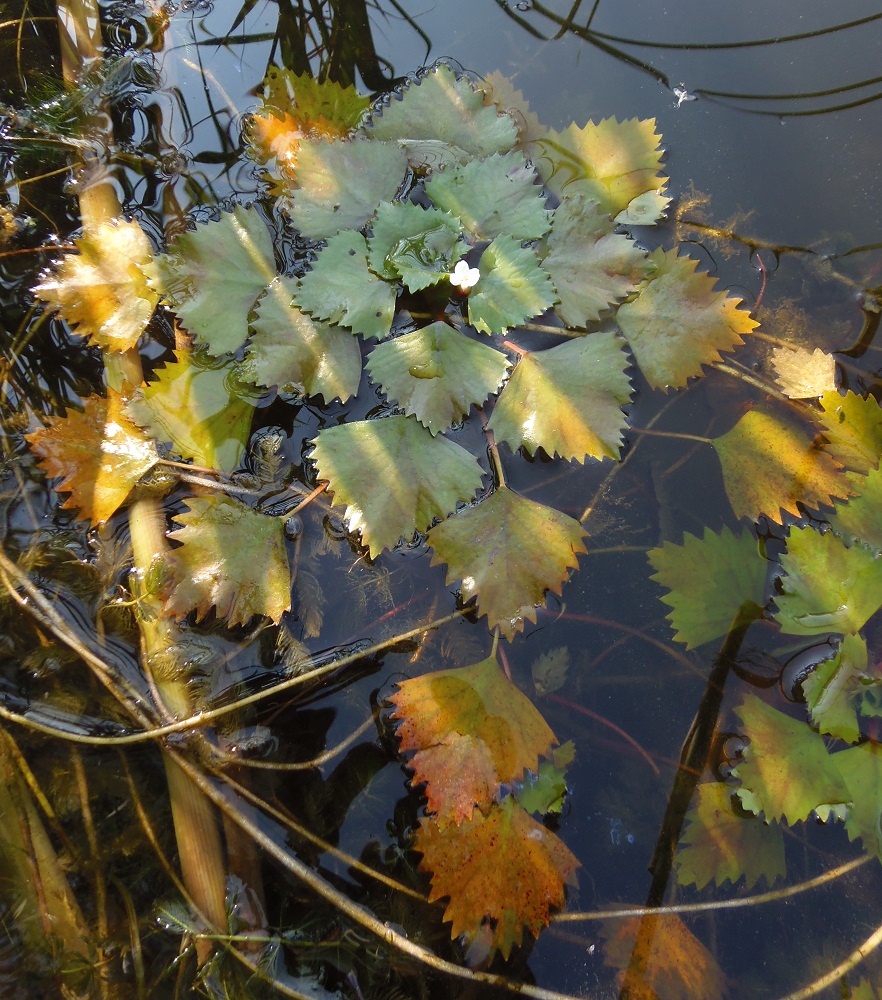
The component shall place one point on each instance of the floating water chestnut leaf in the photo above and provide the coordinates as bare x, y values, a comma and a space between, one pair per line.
493, 196
709, 581
199, 406
827, 586
293, 351
440, 109
509, 100
567, 399
852, 426
832, 690
544, 791
861, 518
232, 559
508, 551
591, 265
437, 373
340, 288
678, 323
341, 183
98, 454
861, 770
786, 770
502, 872
720, 845
417, 245
101, 290
611, 163
512, 287
393, 476
213, 276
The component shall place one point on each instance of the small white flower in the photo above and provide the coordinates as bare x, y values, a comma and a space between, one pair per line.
463, 276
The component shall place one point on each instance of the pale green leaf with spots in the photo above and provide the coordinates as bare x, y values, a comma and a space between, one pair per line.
512, 288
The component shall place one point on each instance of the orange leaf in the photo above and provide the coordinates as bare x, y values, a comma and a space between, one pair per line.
502, 870
98, 454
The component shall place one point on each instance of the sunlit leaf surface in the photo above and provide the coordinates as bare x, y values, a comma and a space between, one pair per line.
98, 454
832, 689
437, 373
198, 407
719, 845
611, 163
508, 551
493, 196
418, 245
678, 323
567, 399
502, 872
804, 374
861, 770
439, 108
852, 426
827, 586
509, 100
213, 275
786, 770
101, 290
342, 182
232, 559
591, 265
771, 462
293, 351
472, 730
393, 476
709, 581
340, 288
513, 287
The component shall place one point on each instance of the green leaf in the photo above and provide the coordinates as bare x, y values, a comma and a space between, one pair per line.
415, 244
786, 769
212, 277
832, 690
508, 551
308, 98
771, 463
678, 322
591, 265
710, 580
441, 110
196, 405
493, 196
231, 559
828, 587
512, 288
611, 163
861, 770
437, 373
861, 518
720, 845
342, 183
342, 289
550, 670
508, 99
297, 353
393, 476
852, 426
567, 399
544, 791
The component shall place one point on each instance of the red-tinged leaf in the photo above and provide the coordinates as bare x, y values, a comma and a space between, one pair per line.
98, 454
502, 872
231, 559
477, 710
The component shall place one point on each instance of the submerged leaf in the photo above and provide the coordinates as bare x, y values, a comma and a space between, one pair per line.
720, 845
567, 399
297, 353
611, 163
418, 245
544, 791
512, 287
502, 872
342, 289
437, 373
678, 323
852, 426
98, 454
231, 559
508, 551
101, 290
212, 277
550, 670
591, 265
710, 580
393, 476
786, 770
804, 374
341, 184
772, 462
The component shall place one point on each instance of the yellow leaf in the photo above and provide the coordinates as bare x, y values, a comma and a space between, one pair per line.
804, 374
